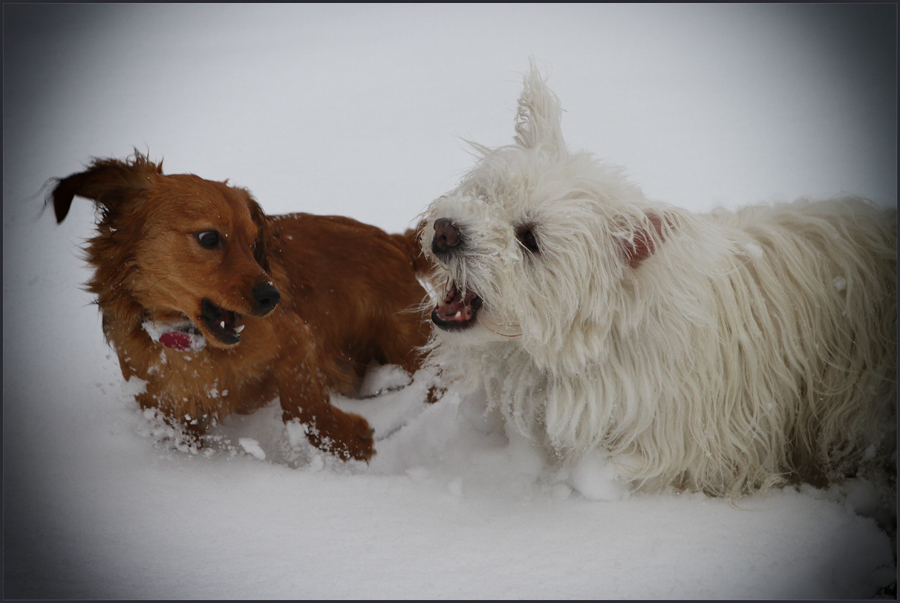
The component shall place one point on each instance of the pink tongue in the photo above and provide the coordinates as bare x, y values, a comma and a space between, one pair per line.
177, 340
453, 303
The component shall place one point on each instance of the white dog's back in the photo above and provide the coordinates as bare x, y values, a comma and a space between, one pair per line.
781, 366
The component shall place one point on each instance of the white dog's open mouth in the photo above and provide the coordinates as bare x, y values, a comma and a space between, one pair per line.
457, 311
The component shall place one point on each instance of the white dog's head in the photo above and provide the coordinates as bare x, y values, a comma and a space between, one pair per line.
537, 246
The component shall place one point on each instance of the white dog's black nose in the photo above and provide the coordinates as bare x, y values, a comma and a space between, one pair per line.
446, 237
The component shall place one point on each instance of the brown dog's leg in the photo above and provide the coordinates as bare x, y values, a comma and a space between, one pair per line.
345, 435
193, 427
404, 336
328, 428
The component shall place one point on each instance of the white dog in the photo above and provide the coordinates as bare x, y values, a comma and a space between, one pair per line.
724, 353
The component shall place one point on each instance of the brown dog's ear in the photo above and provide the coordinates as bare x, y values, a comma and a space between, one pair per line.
643, 243
262, 243
106, 181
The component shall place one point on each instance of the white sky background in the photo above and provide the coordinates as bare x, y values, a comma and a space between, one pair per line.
361, 111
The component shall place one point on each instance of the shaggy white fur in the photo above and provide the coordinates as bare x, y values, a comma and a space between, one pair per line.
724, 352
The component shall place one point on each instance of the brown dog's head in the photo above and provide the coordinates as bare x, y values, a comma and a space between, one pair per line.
179, 245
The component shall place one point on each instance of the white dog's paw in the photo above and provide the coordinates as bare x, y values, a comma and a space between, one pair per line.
596, 478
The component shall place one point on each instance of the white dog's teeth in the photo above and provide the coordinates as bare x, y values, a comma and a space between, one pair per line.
222, 324
239, 328
458, 314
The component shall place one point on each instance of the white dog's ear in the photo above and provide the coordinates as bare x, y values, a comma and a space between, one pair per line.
539, 116
639, 241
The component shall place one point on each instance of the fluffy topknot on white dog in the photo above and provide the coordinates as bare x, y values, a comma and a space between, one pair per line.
724, 353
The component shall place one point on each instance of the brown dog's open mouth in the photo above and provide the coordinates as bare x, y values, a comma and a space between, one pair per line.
457, 311
181, 335
221, 323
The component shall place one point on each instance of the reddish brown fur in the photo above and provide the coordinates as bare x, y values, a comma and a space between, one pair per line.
349, 295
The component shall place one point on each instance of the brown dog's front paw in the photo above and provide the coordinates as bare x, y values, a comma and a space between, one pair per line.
353, 438
347, 436
360, 448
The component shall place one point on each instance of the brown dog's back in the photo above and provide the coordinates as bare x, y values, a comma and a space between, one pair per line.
320, 255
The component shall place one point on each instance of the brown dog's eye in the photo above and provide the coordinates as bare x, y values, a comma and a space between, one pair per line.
209, 239
526, 237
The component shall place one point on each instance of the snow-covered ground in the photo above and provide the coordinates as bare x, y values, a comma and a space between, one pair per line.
361, 111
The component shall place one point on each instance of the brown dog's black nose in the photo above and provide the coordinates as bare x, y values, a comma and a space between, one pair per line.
446, 236
266, 297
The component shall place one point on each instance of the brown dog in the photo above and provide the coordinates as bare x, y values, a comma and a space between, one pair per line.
220, 308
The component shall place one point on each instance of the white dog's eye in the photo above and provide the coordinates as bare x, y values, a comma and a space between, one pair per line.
526, 237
